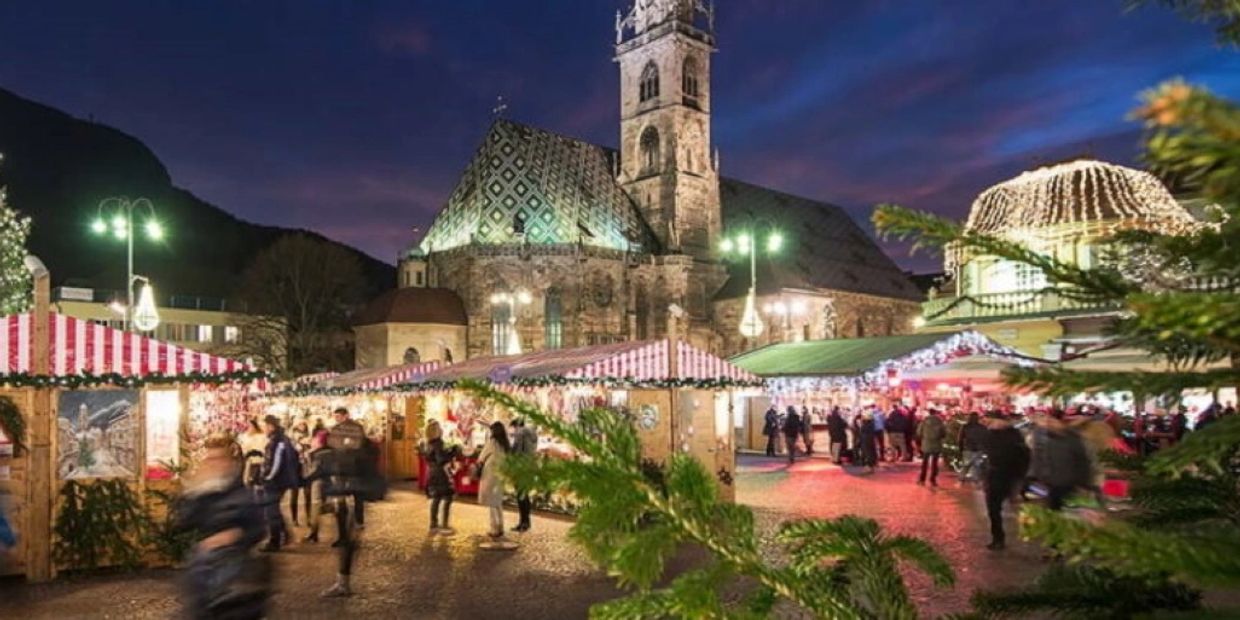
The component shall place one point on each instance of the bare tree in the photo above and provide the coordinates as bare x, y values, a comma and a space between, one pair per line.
299, 294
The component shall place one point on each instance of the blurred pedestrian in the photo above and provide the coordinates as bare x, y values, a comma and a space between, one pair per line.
792, 428
880, 431
253, 444
931, 432
972, 442
896, 427
807, 430
301, 437
491, 482
354, 474
1068, 466
837, 430
439, 459
525, 443
280, 462
1007, 459
224, 578
315, 476
770, 428
866, 447
348, 434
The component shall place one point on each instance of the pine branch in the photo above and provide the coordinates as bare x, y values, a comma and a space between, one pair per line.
1057, 381
1206, 450
1075, 591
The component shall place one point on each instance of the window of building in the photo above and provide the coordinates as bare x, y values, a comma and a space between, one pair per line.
553, 319
689, 78
232, 334
418, 278
650, 150
412, 356
204, 333
649, 88
1005, 276
501, 328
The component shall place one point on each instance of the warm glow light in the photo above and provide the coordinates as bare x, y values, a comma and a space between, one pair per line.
99, 226
742, 243
117, 307
145, 315
524, 297
943, 387
120, 233
751, 325
919, 322
726, 246
779, 308
154, 230
774, 242
798, 307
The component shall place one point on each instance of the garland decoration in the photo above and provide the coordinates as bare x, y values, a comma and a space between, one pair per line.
302, 390
91, 380
12, 423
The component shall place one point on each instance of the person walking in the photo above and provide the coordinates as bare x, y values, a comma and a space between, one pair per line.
300, 435
439, 486
931, 434
253, 444
1068, 467
353, 475
897, 427
348, 434
525, 443
224, 579
279, 475
880, 431
837, 431
491, 482
315, 476
792, 428
807, 431
866, 449
1007, 458
972, 442
770, 428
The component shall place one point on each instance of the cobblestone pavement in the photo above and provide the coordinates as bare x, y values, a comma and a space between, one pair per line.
402, 573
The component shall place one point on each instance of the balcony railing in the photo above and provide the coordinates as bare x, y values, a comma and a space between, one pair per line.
992, 306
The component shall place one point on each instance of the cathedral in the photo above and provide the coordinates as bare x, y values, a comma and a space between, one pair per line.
550, 242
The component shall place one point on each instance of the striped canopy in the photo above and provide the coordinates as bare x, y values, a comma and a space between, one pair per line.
79, 346
375, 378
647, 360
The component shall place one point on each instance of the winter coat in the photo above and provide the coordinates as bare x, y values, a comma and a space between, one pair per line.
1007, 456
865, 443
897, 422
252, 443
228, 581
792, 424
837, 428
491, 487
771, 425
525, 441
438, 457
931, 434
1068, 459
972, 437
280, 463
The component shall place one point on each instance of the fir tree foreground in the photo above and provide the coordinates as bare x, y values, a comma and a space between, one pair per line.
631, 522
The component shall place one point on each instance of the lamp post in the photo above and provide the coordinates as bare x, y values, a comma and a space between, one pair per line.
746, 243
512, 346
116, 215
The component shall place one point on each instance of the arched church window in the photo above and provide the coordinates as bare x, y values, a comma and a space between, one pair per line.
650, 150
412, 356
830, 321
447, 355
553, 319
689, 78
649, 88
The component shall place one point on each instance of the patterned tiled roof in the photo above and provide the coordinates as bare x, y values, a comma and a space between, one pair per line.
559, 189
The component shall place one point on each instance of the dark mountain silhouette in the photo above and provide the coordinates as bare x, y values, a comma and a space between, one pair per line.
57, 168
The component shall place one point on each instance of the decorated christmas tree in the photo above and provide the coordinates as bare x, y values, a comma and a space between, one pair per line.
14, 278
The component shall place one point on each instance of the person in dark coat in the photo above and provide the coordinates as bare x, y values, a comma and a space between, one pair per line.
792, 428
867, 441
807, 430
318, 468
897, 433
931, 433
439, 485
837, 430
1068, 462
280, 473
770, 428
1007, 457
972, 442
224, 579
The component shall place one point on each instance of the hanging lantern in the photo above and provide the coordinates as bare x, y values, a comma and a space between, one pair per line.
145, 315
751, 323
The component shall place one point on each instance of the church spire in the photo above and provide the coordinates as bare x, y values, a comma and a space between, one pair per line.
646, 15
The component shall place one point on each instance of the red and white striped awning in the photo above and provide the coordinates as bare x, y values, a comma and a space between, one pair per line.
377, 378
79, 346
647, 360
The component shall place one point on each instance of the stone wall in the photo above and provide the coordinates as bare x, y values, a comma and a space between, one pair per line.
379, 346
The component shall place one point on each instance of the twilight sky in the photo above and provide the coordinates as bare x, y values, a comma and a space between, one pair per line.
355, 118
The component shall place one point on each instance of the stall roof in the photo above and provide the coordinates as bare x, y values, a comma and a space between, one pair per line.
646, 360
856, 356
79, 346
368, 378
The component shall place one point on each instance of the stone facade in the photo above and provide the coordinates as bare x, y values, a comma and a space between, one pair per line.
391, 344
814, 315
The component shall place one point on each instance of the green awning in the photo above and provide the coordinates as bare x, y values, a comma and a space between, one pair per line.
840, 357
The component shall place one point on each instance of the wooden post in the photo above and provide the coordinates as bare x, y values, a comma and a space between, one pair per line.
674, 315
41, 481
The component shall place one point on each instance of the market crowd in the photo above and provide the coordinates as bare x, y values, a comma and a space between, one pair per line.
1049, 453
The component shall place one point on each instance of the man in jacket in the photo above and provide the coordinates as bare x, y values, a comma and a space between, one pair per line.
972, 441
1007, 458
353, 470
792, 428
525, 442
897, 427
770, 428
280, 464
837, 430
931, 433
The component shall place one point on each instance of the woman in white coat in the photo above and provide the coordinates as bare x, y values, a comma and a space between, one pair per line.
491, 486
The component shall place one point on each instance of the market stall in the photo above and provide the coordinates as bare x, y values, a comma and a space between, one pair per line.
85, 407
941, 369
681, 401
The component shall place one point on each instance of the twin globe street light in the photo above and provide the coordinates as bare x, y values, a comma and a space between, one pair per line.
115, 218
747, 243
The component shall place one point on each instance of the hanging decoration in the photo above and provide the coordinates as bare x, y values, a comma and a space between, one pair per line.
12, 423
90, 380
527, 382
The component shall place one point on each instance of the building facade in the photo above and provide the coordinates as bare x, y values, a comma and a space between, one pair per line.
549, 242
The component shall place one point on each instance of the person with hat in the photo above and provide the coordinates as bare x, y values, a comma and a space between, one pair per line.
279, 474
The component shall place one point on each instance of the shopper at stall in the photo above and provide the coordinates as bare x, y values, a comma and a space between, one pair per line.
253, 444
1007, 459
972, 442
770, 428
315, 476
880, 430
439, 458
491, 481
866, 448
300, 435
897, 433
792, 429
807, 430
224, 578
524, 442
837, 430
279, 475
931, 435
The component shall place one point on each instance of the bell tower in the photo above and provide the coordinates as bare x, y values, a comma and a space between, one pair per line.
664, 50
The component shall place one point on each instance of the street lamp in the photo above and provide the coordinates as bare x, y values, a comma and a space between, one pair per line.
512, 346
145, 316
747, 243
116, 215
